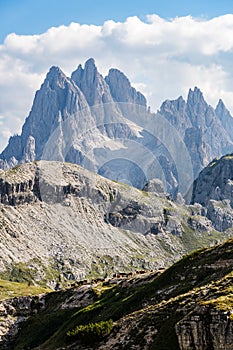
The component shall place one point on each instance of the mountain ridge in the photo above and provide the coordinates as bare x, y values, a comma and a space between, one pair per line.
104, 123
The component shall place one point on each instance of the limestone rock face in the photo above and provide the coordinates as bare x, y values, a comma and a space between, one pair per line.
205, 328
29, 151
175, 112
155, 186
121, 89
57, 99
214, 182
92, 84
203, 129
224, 117
213, 190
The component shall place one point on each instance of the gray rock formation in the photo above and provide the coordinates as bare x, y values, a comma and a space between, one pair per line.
213, 190
214, 182
13, 312
205, 328
121, 89
203, 129
225, 118
104, 125
58, 98
92, 84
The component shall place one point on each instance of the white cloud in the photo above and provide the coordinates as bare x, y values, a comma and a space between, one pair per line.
163, 58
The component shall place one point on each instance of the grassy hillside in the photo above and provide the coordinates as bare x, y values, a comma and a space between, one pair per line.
144, 309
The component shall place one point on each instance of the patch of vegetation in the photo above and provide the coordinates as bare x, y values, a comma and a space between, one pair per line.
214, 162
144, 193
34, 272
194, 240
92, 332
100, 289
224, 301
10, 290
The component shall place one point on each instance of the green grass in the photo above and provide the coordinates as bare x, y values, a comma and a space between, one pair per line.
92, 332
27, 272
10, 290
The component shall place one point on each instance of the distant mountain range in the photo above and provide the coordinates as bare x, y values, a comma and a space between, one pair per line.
105, 125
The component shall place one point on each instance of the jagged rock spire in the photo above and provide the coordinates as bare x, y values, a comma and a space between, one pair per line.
121, 89
92, 84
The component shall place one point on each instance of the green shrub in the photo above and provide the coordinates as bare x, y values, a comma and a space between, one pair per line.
92, 332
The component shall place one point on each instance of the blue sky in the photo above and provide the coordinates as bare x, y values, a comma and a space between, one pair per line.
182, 44
32, 17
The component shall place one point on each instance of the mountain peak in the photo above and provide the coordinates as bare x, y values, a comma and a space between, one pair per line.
91, 83
89, 67
90, 63
54, 72
55, 77
121, 89
195, 96
220, 108
224, 116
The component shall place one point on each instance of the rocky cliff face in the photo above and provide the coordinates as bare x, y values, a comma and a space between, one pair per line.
213, 190
205, 131
224, 117
92, 84
121, 89
206, 328
104, 125
13, 312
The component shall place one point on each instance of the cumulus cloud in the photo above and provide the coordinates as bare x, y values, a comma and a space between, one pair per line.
162, 58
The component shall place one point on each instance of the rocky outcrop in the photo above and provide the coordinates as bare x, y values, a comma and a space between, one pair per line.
205, 328
20, 192
224, 117
214, 182
213, 190
13, 312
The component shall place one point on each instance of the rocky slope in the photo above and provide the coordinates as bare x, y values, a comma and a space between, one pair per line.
104, 125
59, 222
187, 307
213, 190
